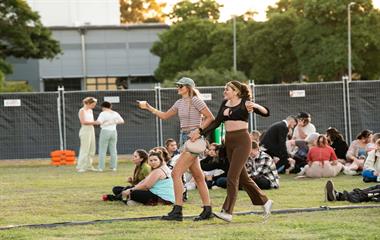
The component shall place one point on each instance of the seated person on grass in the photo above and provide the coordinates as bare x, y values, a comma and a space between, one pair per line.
156, 188
322, 161
338, 143
371, 170
215, 166
142, 169
297, 161
357, 153
262, 169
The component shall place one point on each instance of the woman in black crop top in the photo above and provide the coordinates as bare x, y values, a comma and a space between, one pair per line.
234, 112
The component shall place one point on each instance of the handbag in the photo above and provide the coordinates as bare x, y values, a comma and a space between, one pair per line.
198, 146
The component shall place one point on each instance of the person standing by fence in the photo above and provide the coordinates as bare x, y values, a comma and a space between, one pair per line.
87, 135
234, 112
108, 119
190, 109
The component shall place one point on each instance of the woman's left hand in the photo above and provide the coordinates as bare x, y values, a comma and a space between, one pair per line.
250, 106
194, 135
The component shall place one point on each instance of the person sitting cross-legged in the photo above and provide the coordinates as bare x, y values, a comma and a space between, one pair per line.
262, 169
322, 161
156, 188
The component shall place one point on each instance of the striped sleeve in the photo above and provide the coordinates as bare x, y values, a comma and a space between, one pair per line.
198, 103
174, 108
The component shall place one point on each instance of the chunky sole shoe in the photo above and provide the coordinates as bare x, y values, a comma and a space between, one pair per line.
330, 191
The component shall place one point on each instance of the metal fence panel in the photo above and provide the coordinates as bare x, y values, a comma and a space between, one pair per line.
365, 110
31, 129
139, 130
323, 101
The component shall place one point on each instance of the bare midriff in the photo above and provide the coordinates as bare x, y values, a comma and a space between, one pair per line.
235, 125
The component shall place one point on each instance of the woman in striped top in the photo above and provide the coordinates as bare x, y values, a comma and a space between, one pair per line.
189, 109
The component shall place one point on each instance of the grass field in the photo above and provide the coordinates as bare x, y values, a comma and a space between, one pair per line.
34, 192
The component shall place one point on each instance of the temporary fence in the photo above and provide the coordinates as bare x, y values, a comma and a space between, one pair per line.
34, 124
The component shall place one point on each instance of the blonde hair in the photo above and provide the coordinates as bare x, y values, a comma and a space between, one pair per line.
89, 100
193, 91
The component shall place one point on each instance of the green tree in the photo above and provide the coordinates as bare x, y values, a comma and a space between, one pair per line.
202, 9
137, 11
268, 52
320, 40
182, 46
22, 34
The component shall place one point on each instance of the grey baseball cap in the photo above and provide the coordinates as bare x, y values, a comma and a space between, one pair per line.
186, 81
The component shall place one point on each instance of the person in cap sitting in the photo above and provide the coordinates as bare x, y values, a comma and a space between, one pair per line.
304, 126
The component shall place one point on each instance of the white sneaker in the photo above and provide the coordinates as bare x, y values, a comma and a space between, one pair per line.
267, 208
81, 170
99, 170
93, 169
113, 169
224, 216
349, 172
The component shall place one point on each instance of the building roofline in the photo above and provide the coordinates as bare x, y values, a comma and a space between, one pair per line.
123, 26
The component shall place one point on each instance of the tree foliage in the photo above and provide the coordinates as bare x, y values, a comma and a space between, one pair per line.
138, 11
22, 34
182, 46
301, 40
201, 9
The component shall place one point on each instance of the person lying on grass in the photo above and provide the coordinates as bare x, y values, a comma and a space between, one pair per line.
142, 170
156, 188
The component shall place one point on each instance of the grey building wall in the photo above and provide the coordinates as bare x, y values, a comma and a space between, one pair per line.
110, 51
25, 70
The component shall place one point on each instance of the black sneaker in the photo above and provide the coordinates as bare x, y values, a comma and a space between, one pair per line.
330, 191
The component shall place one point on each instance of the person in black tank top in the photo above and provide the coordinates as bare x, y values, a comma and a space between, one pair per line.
235, 114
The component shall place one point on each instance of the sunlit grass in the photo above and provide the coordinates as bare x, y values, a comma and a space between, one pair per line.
33, 193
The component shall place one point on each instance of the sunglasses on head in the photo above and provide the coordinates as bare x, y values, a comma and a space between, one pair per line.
180, 86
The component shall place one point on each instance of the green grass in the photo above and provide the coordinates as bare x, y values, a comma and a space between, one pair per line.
34, 192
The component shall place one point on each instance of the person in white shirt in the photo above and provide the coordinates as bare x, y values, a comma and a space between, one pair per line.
304, 127
108, 119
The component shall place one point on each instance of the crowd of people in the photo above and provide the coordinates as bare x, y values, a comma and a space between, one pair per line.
243, 161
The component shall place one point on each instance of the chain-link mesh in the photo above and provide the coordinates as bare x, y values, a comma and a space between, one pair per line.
32, 129
139, 130
365, 110
323, 101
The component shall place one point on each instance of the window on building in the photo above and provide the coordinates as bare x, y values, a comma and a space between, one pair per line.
101, 83
70, 84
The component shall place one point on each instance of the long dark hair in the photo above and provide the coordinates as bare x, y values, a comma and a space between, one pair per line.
243, 90
334, 134
364, 134
144, 155
159, 155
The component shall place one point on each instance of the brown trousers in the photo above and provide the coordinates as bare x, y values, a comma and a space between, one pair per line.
238, 145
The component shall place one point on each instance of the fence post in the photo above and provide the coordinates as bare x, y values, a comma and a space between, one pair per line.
157, 91
63, 117
349, 111
59, 112
344, 79
252, 116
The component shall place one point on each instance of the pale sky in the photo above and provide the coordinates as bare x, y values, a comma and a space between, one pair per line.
238, 7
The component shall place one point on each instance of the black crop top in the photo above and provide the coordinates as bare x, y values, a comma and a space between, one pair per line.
236, 113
